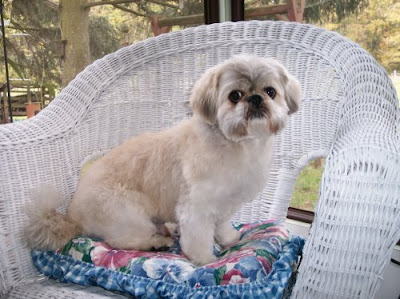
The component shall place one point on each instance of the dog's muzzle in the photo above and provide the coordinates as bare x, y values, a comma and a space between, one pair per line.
255, 100
257, 108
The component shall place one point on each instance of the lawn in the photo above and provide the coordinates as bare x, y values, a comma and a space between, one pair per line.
396, 83
305, 195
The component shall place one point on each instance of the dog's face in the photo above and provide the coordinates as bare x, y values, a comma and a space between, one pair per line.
246, 97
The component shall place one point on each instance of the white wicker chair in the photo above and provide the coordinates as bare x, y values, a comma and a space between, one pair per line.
349, 115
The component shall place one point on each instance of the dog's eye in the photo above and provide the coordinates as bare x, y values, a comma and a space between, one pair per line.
270, 92
235, 96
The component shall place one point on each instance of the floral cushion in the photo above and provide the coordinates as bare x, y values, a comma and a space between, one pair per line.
258, 265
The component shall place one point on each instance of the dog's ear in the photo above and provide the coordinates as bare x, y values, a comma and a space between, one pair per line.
292, 93
204, 96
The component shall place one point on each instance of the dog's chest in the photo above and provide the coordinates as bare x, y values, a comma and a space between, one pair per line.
240, 175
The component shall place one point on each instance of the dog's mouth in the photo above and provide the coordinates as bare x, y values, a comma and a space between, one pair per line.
253, 112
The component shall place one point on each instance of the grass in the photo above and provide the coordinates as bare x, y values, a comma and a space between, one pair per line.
306, 191
305, 195
396, 83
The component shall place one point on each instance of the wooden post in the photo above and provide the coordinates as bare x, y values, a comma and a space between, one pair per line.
157, 29
295, 10
28, 94
181, 21
32, 109
4, 106
265, 10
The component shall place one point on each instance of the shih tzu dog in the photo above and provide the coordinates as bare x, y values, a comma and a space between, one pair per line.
196, 174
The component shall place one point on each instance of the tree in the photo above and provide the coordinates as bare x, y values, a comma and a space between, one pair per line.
71, 33
74, 18
377, 29
332, 10
319, 10
63, 32
34, 40
30, 36
79, 10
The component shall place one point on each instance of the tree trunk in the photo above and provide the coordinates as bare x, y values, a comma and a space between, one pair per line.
75, 32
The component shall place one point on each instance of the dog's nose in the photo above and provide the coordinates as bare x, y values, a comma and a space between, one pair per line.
255, 99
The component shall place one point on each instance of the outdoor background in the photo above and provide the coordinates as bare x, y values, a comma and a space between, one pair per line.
41, 62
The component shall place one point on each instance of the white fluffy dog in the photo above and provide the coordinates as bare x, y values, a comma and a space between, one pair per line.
196, 174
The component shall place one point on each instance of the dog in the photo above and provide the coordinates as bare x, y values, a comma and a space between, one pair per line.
196, 174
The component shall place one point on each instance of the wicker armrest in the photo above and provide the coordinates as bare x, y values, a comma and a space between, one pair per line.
357, 221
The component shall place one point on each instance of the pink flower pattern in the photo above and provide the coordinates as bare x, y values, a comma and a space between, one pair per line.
233, 276
248, 257
105, 256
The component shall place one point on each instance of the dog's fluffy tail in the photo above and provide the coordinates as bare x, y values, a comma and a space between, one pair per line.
47, 229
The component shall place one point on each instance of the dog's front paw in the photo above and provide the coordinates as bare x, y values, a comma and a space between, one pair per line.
198, 250
227, 236
201, 260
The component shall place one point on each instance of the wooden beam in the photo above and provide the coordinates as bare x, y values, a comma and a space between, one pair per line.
164, 3
250, 12
157, 28
180, 21
300, 215
293, 8
266, 10
106, 2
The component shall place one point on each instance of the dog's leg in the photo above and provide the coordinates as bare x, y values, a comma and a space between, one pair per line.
137, 232
131, 240
225, 234
123, 219
197, 235
197, 240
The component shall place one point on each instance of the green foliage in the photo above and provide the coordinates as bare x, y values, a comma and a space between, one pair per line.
34, 35
329, 10
16, 68
319, 10
377, 29
103, 35
51, 89
30, 40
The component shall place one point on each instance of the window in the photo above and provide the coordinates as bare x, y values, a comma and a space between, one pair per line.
306, 192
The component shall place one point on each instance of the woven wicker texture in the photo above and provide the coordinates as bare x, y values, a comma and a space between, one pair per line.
349, 115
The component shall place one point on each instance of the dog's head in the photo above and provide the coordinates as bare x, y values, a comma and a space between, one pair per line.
246, 97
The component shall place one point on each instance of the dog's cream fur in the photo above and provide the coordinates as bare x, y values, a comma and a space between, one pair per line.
196, 174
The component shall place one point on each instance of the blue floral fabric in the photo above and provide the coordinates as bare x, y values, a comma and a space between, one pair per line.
259, 265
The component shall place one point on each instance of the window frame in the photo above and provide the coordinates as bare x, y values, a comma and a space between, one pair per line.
300, 215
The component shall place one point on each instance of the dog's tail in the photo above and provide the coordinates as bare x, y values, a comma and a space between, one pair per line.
47, 229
